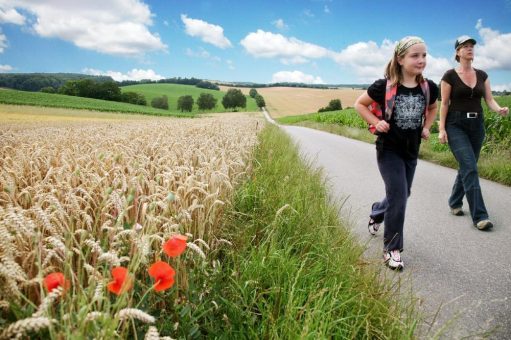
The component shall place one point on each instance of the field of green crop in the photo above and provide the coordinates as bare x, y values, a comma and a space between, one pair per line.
174, 91
15, 97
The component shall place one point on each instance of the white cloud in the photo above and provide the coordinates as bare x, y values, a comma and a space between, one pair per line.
280, 24
209, 33
326, 9
230, 64
9, 15
494, 49
202, 53
117, 27
3, 42
263, 44
5, 68
368, 61
295, 77
501, 87
134, 74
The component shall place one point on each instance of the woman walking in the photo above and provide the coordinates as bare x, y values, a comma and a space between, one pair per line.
462, 126
410, 104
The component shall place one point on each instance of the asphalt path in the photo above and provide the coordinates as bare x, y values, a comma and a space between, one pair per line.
462, 276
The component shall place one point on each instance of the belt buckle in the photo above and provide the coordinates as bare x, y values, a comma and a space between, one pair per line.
472, 114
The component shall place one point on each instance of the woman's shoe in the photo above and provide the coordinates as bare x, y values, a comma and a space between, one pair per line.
484, 225
457, 211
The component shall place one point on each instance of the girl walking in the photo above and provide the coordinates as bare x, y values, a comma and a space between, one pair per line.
409, 105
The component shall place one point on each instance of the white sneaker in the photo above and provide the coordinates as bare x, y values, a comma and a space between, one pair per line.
393, 259
373, 226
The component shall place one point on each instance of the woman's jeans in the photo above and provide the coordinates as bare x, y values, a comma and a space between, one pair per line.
465, 136
397, 173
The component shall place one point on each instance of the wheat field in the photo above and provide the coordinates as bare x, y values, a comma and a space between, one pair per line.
81, 196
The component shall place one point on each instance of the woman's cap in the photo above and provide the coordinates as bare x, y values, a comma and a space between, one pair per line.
464, 39
406, 43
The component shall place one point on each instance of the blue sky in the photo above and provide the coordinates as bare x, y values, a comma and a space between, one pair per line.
312, 41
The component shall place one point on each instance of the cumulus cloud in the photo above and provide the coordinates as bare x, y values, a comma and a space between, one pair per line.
9, 15
368, 60
280, 24
493, 50
209, 33
117, 27
134, 74
295, 77
5, 68
3, 42
263, 44
501, 87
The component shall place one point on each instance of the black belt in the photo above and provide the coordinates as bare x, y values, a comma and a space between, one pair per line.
467, 114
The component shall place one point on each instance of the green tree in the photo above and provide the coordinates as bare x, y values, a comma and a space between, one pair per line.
133, 98
160, 102
206, 101
185, 103
48, 89
259, 101
234, 98
252, 93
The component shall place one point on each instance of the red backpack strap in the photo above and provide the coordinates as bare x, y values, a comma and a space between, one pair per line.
390, 99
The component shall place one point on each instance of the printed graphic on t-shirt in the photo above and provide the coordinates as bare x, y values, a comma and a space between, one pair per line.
408, 111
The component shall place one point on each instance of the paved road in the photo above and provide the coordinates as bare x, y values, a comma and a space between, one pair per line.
450, 264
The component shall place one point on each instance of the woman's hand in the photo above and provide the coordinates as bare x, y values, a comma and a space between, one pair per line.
442, 136
425, 133
503, 111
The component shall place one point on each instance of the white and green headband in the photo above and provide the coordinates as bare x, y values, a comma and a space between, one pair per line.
406, 43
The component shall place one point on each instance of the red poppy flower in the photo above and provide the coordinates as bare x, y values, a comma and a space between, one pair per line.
163, 275
122, 281
175, 246
54, 280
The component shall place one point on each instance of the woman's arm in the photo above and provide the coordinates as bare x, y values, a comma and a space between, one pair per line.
490, 101
445, 90
361, 105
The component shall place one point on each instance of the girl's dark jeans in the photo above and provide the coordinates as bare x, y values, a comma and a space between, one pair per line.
465, 136
397, 173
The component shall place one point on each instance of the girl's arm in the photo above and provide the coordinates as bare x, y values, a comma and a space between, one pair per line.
430, 119
490, 101
445, 90
361, 105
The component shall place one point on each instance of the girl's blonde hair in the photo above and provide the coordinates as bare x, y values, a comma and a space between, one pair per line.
393, 70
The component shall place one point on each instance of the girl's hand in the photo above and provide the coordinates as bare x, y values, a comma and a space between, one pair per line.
442, 136
425, 133
382, 126
503, 111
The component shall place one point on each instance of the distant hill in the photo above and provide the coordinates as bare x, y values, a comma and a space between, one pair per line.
37, 81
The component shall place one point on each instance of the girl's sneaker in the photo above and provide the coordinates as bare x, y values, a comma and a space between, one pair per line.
393, 259
373, 226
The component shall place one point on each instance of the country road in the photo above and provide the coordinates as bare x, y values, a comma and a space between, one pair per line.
451, 266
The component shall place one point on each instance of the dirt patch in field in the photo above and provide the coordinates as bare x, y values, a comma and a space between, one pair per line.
289, 101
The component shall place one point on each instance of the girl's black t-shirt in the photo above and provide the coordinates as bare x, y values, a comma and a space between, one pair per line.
404, 135
463, 97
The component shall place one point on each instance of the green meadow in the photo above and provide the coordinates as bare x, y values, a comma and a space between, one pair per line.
174, 91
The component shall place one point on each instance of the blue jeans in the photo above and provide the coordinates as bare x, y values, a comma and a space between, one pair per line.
466, 136
397, 173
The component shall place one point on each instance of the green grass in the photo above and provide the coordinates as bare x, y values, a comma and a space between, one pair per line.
174, 91
495, 159
15, 97
294, 271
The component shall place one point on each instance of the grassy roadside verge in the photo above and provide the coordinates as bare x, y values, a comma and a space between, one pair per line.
293, 271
